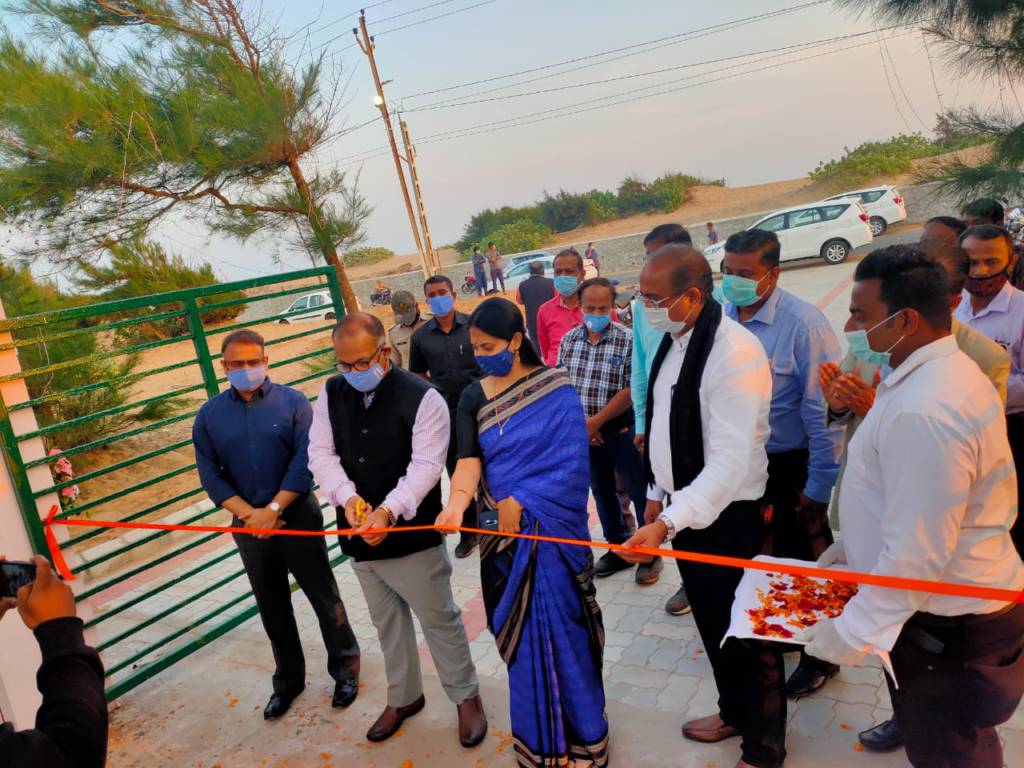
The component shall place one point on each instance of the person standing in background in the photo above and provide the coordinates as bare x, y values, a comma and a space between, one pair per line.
646, 341
497, 273
251, 445
803, 453
994, 307
440, 352
591, 254
532, 293
712, 234
479, 271
562, 313
408, 320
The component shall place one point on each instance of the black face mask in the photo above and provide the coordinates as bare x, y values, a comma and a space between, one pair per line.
986, 287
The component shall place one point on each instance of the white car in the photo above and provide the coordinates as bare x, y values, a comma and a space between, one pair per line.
520, 269
884, 206
829, 230
320, 306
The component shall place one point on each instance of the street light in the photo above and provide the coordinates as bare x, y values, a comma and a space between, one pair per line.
378, 100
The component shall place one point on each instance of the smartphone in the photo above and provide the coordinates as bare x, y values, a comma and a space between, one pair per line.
14, 576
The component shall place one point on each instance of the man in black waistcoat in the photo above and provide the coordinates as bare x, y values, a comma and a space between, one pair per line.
708, 400
377, 448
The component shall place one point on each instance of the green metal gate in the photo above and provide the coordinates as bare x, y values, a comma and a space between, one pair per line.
149, 599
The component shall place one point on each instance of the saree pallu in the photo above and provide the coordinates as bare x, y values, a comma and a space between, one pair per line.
540, 597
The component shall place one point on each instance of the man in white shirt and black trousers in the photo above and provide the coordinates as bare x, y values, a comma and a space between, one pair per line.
707, 425
929, 493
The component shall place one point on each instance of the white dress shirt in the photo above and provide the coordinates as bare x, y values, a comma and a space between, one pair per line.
430, 434
735, 400
929, 493
1003, 322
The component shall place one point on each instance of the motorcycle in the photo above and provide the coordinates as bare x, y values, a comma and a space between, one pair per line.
381, 298
469, 284
624, 305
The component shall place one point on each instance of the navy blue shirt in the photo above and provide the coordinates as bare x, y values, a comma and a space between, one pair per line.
254, 449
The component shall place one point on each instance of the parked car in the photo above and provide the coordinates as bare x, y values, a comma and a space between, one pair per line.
830, 230
520, 269
526, 258
320, 306
884, 206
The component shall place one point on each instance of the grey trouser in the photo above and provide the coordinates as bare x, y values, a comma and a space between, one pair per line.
419, 583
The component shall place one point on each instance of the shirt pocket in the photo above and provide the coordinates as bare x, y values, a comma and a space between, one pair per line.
785, 375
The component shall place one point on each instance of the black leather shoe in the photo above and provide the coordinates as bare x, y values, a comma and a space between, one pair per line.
884, 737
608, 564
808, 677
345, 693
466, 545
279, 704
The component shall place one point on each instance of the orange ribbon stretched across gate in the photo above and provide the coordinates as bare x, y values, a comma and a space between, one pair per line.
873, 579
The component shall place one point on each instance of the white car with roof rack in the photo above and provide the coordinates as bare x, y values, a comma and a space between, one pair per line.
829, 230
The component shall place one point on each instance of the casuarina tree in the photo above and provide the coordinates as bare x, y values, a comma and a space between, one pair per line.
979, 39
118, 115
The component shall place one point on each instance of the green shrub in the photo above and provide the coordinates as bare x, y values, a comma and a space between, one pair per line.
521, 235
360, 256
875, 158
634, 196
486, 221
603, 204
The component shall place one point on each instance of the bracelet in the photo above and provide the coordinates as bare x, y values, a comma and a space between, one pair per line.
392, 519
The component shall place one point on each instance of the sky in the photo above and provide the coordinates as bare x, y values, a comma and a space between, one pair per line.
749, 128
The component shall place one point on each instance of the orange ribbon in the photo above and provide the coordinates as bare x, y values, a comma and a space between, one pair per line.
872, 579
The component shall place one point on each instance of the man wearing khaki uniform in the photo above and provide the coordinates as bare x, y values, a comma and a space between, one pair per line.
408, 319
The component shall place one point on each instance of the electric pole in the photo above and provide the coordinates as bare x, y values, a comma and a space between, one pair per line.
410, 154
367, 46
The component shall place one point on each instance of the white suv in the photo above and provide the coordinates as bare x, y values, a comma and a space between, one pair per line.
830, 230
884, 205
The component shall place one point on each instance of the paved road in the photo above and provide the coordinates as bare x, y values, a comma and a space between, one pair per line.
908, 235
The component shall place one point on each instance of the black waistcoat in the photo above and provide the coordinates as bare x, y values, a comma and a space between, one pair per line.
375, 447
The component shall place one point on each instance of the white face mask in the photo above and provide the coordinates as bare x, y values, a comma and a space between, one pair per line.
658, 319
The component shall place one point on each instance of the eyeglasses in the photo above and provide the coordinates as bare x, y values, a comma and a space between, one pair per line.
237, 365
359, 365
651, 302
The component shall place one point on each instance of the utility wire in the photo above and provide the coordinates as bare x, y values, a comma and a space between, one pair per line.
931, 67
797, 46
899, 83
674, 37
888, 82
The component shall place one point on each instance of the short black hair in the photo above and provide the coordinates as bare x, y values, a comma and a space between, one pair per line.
954, 260
753, 240
985, 208
476, 248
360, 321
987, 232
952, 222
435, 279
242, 336
668, 233
604, 282
536, 267
500, 318
489, 244
569, 252
909, 280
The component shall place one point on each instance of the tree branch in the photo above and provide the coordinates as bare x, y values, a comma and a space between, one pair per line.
196, 195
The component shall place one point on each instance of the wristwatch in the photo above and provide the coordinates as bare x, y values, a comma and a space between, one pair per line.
392, 519
274, 506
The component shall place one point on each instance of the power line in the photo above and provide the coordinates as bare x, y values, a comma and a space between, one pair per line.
522, 120
797, 46
676, 37
340, 19
888, 82
414, 10
931, 67
899, 82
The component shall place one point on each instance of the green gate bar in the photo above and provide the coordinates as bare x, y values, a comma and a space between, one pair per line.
146, 557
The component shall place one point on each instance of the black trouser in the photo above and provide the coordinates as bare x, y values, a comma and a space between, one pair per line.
1015, 433
749, 673
788, 534
617, 454
955, 692
268, 563
471, 518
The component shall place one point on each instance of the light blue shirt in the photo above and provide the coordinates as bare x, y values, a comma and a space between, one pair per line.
646, 341
797, 338
1003, 322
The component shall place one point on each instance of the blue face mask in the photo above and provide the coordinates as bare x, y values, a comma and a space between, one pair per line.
596, 323
365, 381
247, 379
717, 294
441, 305
740, 291
566, 285
860, 347
497, 365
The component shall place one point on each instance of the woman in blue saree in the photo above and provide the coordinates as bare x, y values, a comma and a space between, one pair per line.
521, 430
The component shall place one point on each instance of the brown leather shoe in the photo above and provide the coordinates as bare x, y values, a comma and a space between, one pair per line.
391, 720
709, 730
472, 722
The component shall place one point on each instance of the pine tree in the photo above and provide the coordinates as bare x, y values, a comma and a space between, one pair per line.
980, 39
121, 113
